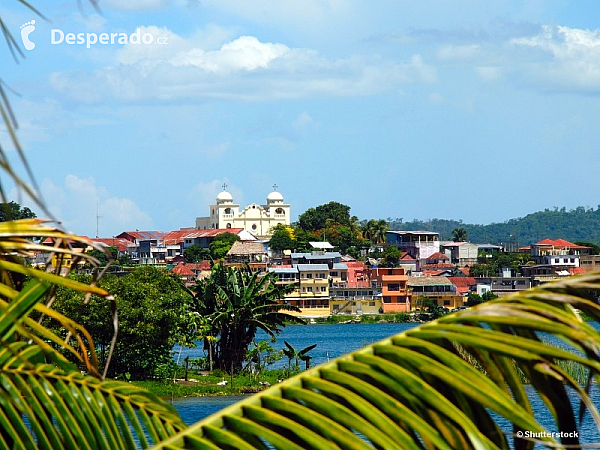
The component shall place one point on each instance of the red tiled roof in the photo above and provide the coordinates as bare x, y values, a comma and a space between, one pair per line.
183, 271
576, 270
141, 235
407, 257
556, 243
438, 255
462, 283
437, 266
177, 236
119, 243
465, 270
201, 266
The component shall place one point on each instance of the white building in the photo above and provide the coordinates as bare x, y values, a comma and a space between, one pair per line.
256, 219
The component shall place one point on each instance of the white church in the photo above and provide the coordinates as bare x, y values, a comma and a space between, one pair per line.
256, 219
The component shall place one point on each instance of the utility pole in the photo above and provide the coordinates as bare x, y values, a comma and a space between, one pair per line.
97, 220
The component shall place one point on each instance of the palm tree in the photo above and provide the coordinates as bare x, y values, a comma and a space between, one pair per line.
238, 304
375, 231
459, 235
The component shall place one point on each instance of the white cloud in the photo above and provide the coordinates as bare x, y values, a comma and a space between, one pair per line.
243, 68
78, 201
562, 58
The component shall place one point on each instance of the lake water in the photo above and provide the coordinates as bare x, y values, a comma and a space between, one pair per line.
334, 341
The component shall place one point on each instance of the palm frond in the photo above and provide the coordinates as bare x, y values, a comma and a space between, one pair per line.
55, 406
443, 384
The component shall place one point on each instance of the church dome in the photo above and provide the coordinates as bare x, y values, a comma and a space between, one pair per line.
274, 197
224, 197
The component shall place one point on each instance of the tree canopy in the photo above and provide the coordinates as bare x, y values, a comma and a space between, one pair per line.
314, 219
13, 211
221, 244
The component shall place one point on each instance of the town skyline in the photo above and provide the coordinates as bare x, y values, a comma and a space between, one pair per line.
476, 112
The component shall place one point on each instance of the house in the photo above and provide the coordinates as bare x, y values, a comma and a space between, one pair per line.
247, 252
256, 219
395, 295
185, 273
460, 253
440, 289
502, 286
418, 244
553, 259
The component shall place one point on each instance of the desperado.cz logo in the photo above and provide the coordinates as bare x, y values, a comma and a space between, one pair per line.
58, 36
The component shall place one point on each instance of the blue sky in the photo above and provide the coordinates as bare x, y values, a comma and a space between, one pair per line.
480, 111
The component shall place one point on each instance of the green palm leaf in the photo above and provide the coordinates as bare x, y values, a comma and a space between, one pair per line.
443, 384
56, 406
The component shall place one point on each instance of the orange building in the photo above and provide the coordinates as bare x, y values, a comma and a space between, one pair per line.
395, 295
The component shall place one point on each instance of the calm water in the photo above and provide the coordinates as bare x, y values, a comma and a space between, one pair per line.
335, 341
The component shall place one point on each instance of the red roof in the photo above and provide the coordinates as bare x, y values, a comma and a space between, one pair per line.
437, 266
201, 266
465, 270
183, 271
462, 284
407, 257
559, 243
438, 255
576, 270
119, 243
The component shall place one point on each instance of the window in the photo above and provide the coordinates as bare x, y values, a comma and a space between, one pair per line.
334, 274
371, 303
323, 289
394, 287
309, 275
446, 302
387, 299
309, 289
556, 260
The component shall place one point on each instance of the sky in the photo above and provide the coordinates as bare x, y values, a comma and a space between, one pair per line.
470, 110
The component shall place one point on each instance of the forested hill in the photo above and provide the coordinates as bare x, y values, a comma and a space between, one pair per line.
579, 224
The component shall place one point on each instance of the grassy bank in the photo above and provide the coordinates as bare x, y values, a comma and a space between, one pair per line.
202, 384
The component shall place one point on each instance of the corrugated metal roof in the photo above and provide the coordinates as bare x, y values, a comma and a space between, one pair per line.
309, 267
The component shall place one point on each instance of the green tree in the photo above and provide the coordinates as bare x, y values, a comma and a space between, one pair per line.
316, 218
390, 257
151, 304
195, 254
222, 244
282, 238
459, 235
13, 211
240, 303
375, 230
108, 254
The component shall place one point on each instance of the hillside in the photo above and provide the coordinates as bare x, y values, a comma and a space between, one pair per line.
579, 224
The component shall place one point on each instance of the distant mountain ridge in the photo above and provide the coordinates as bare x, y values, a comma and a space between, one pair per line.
579, 224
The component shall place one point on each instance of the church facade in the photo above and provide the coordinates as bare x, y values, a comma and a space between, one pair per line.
256, 219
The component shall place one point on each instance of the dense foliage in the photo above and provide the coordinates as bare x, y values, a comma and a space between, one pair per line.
151, 306
14, 211
579, 224
231, 306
